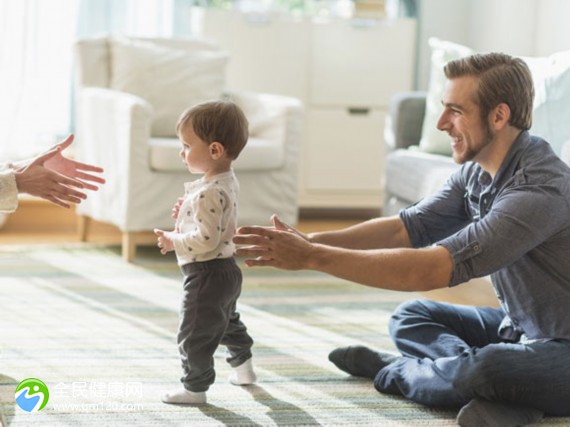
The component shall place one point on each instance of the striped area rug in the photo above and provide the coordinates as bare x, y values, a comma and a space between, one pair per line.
100, 334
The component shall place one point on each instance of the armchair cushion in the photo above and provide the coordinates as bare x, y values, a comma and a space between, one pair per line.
265, 149
170, 79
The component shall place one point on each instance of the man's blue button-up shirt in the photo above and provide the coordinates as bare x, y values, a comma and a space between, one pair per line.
515, 227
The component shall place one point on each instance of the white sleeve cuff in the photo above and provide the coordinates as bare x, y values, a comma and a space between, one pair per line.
8, 191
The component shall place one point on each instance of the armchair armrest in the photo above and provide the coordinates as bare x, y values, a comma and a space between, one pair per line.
107, 118
405, 120
113, 129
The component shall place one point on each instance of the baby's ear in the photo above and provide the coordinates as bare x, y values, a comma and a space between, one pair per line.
217, 150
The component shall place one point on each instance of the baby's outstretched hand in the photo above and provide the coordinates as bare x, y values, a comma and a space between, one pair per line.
164, 241
176, 208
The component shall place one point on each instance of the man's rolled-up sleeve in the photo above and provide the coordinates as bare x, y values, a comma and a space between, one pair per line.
439, 215
514, 226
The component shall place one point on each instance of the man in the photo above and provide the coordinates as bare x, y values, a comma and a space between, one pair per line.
49, 176
506, 213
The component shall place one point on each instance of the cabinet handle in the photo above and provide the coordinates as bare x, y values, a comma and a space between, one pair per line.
257, 19
361, 111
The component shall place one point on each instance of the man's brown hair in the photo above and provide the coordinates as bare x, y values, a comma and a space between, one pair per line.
502, 79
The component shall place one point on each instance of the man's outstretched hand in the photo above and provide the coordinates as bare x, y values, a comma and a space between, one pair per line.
280, 246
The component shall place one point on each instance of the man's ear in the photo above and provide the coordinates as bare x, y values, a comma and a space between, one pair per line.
217, 150
500, 116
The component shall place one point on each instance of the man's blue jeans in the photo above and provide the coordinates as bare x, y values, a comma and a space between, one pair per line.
453, 353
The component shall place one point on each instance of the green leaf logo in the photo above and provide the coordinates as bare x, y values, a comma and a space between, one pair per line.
32, 395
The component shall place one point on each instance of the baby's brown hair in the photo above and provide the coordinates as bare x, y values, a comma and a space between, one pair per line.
221, 120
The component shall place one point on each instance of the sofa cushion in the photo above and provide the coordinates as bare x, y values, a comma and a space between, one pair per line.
258, 154
170, 79
413, 174
551, 109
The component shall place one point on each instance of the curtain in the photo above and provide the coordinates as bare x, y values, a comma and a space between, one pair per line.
35, 63
140, 18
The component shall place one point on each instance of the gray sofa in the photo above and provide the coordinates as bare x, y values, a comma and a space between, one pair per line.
411, 174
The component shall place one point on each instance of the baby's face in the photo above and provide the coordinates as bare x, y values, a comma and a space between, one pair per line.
195, 152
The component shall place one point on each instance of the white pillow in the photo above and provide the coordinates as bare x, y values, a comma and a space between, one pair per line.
266, 118
434, 140
551, 108
171, 80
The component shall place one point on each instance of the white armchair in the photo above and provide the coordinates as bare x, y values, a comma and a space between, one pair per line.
133, 137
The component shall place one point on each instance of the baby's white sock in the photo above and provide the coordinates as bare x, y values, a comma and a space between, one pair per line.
243, 374
184, 396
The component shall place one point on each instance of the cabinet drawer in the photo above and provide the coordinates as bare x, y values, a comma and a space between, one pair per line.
267, 54
344, 151
365, 65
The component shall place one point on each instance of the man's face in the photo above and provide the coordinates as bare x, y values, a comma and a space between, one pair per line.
461, 119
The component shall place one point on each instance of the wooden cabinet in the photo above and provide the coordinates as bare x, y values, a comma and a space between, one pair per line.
362, 64
345, 72
343, 158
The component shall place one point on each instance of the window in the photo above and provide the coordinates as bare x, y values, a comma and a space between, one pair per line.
36, 59
35, 64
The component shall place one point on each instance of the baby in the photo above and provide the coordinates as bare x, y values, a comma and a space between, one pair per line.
212, 135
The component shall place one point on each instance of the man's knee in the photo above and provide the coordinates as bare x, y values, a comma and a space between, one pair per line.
408, 314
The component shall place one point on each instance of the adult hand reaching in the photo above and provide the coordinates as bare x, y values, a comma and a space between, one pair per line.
53, 177
280, 246
71, 168
280, 225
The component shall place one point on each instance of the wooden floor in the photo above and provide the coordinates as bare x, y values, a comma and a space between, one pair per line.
39, 222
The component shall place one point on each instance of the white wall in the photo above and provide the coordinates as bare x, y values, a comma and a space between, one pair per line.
552, 33
502, 26
445, 19
517, 27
